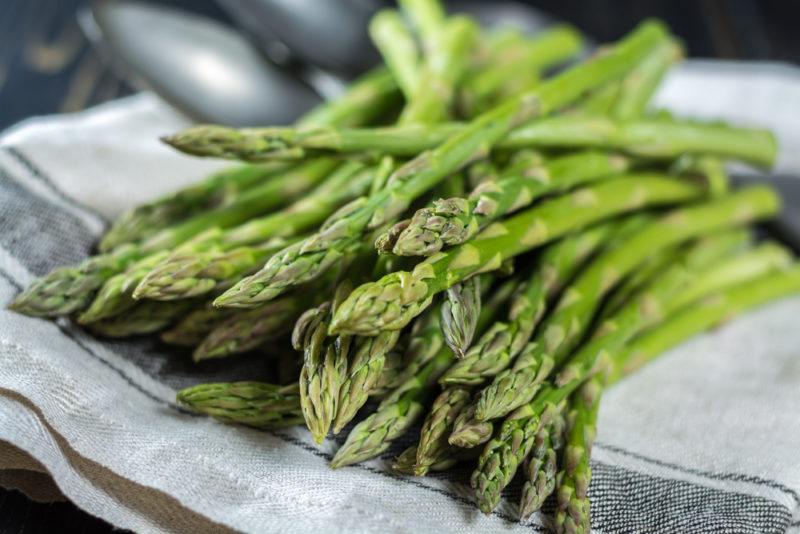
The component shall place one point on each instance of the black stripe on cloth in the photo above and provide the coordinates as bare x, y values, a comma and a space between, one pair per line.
37, 232
627, 501
736, 477
39, 174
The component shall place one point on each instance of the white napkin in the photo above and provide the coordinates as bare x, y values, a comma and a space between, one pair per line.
705, 439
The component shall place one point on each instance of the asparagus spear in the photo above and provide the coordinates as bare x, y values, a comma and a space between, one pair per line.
324, 364
654, 138
248, 329
541, 467
498, 462
199, 266
456, 220
309, 259
366, 99
546, 49
504, 340
496, 467
460, 311
192, 329
392, 370
703, 314
397, 412
563, 329
255, 404
433, 446
116, 295
394, 416
444, 66
143, 318
424, 342
397, 47
405, 463
572, 484
498, 347
638, 87
217, 190
427, 18
391, 302
70, 289
363, 374
467, 431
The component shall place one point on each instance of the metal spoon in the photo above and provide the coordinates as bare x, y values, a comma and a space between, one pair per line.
332, 34
200, 66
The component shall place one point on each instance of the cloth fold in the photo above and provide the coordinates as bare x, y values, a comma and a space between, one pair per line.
705, 439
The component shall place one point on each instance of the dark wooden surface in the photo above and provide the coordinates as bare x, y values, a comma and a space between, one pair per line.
47, 67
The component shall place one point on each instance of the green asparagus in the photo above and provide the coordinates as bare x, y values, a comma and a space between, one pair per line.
255, 404
391, 302
456, 220
308, 260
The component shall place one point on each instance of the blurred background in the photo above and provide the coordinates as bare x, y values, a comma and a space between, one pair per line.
66, 55
53, 58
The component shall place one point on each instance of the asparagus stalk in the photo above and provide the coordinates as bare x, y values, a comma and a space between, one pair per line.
460, 311
542, 467
192, 329
398, 49
394, 416
467, 431
199, 266
455, 220
397, 412
116, 295
653, 138
255, 404
324, 365
143, 318
70, 289
498, 462
217, 190
392, 369
444, 66
366, 99
309, 259
703, 314
505, 340
248, 329
424, 342
595, 356
501, 343
427, 17
572, 515
391, 302
544, 50
433, 445
638, 87
364, 372
563, 329
405, 463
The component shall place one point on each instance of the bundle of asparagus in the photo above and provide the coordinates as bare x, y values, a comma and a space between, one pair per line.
338, 236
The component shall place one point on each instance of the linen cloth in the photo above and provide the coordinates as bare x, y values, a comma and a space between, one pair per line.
704, 439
